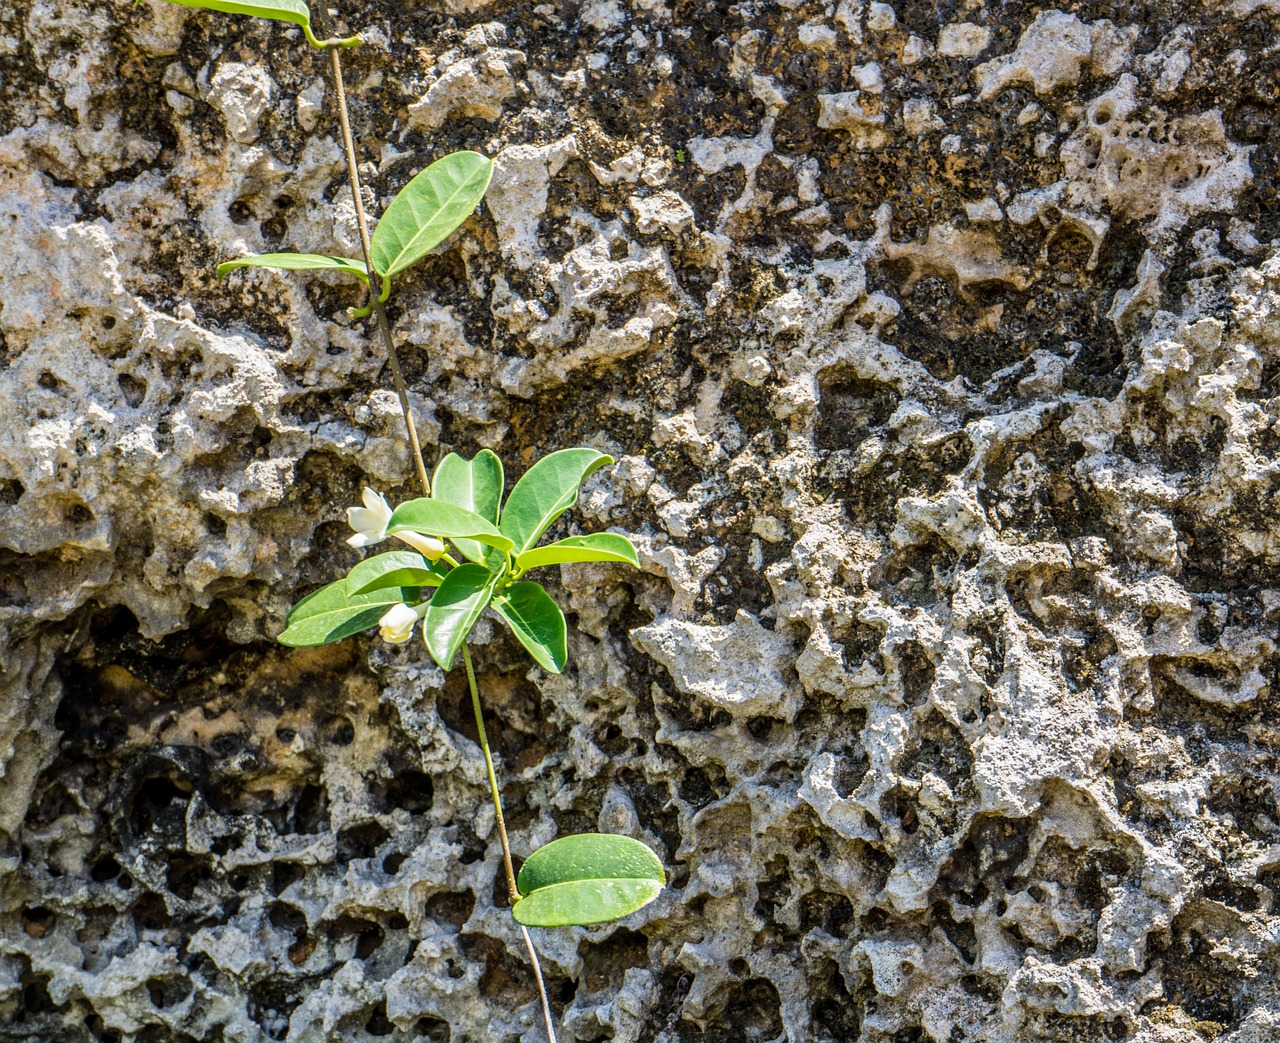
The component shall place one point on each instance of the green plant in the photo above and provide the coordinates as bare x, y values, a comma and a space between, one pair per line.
576, 880
583, 879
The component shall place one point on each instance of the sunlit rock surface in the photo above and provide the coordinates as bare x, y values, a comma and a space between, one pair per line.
938, 346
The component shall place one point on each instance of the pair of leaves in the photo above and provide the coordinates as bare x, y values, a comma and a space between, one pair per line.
349, 605
424, 213
498, 542
295, 11
587, 878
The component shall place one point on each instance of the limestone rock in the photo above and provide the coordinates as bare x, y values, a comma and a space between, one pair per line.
938, 349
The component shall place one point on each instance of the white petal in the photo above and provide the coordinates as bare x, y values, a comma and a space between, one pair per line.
376, 502
368, 523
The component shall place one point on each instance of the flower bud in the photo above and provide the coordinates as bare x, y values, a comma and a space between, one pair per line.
428, 546
397, 624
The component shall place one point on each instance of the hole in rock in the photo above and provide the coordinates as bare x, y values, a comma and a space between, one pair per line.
11, 491
104, 869
379, 1024
361, 841
184, 875
169, 991
605, 964
411, 790
850, 408
338, 731
837, 1017
37, 922
152, 799
452, 908
284, 875
78, 514
432, 1030
133, 389
150, 912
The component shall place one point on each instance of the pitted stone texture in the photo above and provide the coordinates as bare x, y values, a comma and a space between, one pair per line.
938, 348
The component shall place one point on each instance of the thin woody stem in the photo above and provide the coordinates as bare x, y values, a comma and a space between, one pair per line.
512, 891
353, 177
542, 989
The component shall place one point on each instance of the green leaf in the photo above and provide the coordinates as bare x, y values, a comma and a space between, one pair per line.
428, 209
330, 614
295, 11
446, 520
536, 621
597, 546
475, 485
397, 568
296, 263
547, 490
585, 879
454, 609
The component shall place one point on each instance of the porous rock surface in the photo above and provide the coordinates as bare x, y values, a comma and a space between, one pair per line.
938, 345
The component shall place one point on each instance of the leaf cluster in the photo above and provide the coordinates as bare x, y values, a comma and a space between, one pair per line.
497, 543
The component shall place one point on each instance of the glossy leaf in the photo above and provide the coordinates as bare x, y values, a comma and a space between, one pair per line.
437, 518
297, 263
454, 609
536, 621
295, 11
475, 485
585, 879
330, 614
596, 546
547, 490
428, 209
397, 568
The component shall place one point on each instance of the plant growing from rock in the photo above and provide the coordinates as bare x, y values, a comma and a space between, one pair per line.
576, 880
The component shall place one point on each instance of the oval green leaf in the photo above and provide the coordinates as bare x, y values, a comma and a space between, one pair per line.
547, 490
428, 209
597, 546
437, 518
585, 879
537, 622
475, 485
581, 903
297, 263
454, 609
330, 613
295, 11
397, 568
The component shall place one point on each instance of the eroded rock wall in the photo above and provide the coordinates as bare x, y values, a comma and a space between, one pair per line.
938, 346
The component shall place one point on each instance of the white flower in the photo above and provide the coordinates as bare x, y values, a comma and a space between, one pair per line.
369, 521
370, 524
397, 624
